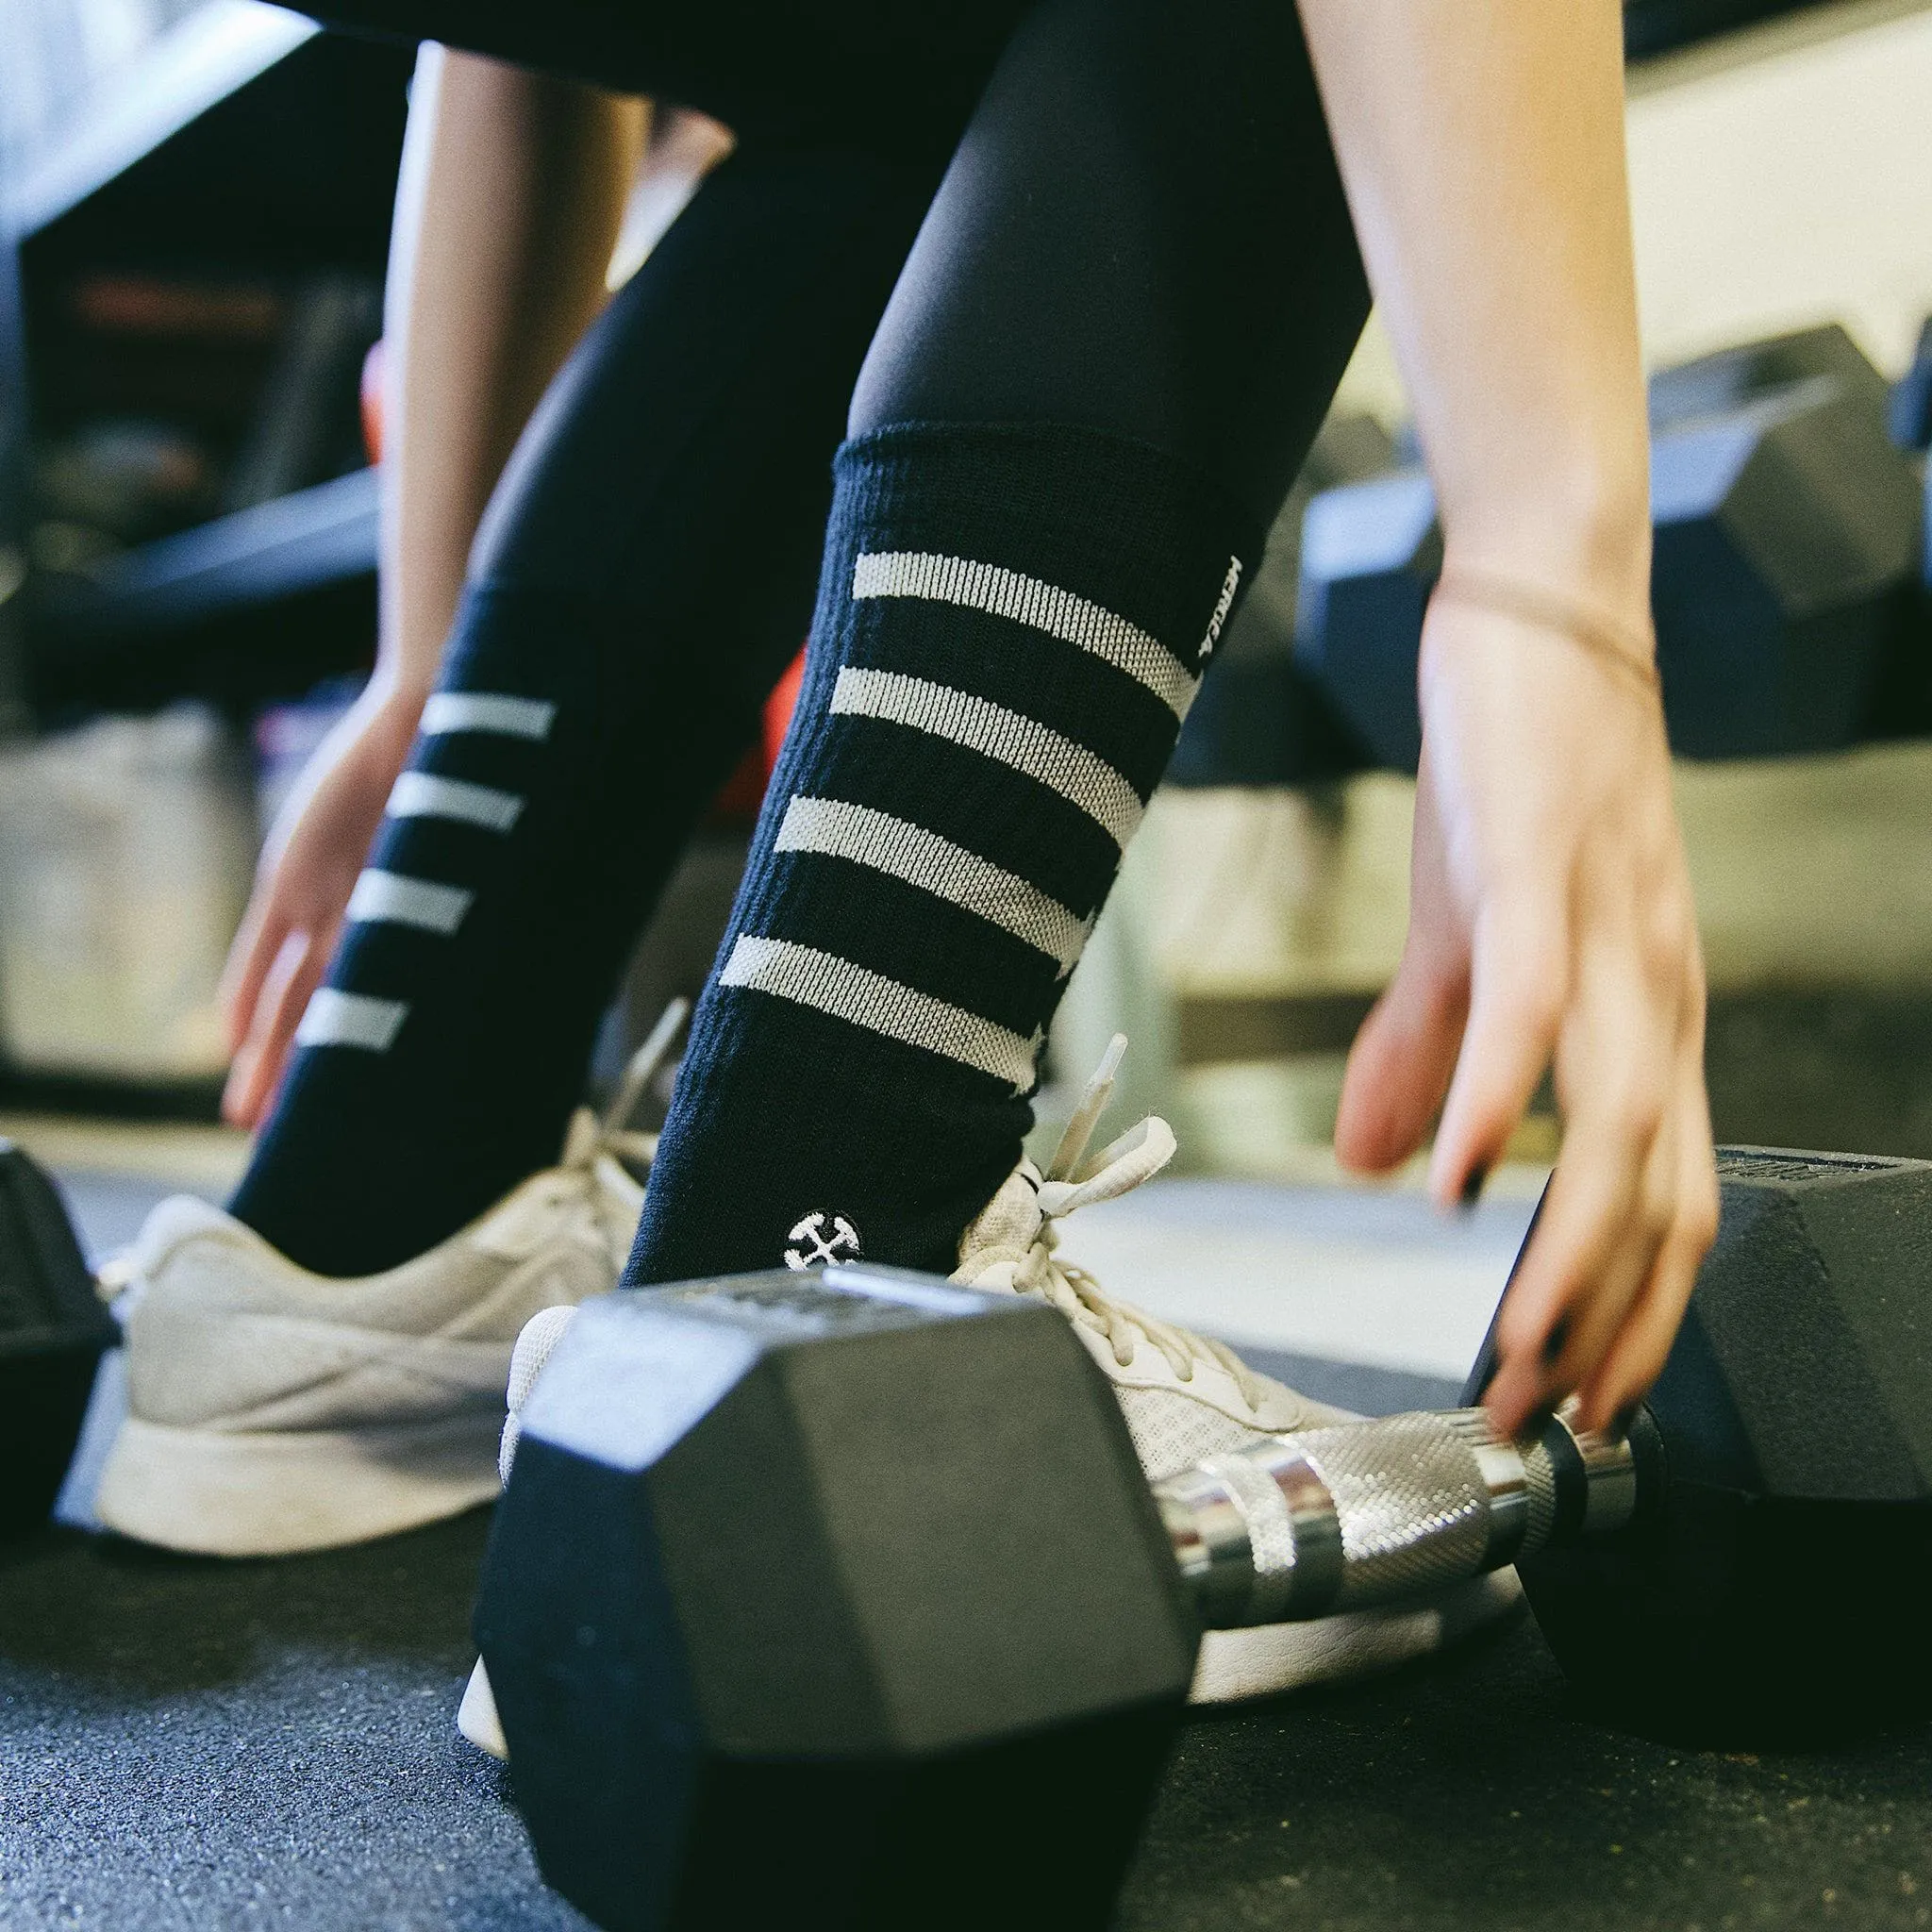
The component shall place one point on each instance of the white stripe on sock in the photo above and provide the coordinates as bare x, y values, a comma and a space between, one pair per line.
349, 1019
1028, 600
391, 898
418, 796
491, 712
994, 732
938, 866
836, 985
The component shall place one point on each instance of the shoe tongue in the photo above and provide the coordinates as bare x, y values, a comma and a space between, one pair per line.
516, 1227
1006, 1227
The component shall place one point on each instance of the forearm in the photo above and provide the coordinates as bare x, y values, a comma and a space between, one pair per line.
1481, 142
512, 191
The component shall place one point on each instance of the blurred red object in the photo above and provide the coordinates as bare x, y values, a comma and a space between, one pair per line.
139, 304
744, 790
779, 710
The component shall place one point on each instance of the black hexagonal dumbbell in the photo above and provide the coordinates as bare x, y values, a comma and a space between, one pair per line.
1788, 546
842, 1600
1776, 1581
53, 1329
837, 1602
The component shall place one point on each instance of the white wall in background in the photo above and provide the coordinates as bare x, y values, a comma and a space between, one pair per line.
1788, 182
1808, 872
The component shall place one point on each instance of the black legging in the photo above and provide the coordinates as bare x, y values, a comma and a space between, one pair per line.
1135, 226
1141, 229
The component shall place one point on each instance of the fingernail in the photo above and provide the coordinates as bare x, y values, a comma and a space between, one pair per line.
1558, 1339
1474, 1184
1534, 1418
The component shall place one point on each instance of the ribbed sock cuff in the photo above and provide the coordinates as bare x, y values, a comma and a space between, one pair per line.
1102, 517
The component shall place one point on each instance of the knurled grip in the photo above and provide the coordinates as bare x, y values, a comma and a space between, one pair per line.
1411, 1503
1366, 1514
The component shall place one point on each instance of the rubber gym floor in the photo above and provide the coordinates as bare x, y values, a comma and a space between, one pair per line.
186, 1743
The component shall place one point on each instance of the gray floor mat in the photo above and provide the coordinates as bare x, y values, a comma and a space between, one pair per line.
196, 1745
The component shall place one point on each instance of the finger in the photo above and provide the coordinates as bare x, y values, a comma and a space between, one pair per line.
1594, 1246
1610, 1202
251, 954
1598, 1314
1517, 983
292, 977
1683, 1191
1582, 1266
241, 1095
283, 1006
1637, 1356
1399, 1067
1400, 1063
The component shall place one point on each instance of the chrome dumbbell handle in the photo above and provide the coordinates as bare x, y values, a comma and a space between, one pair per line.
1382, 1512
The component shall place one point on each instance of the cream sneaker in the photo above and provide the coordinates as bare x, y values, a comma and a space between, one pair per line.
272, 1410
1185, 1397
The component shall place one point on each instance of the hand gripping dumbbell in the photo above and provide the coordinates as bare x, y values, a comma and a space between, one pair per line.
841, 1600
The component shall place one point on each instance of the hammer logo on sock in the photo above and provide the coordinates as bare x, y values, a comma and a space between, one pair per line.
822, 1238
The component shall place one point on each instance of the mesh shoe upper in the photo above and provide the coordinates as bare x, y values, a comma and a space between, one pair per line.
227, 1334
1184, 1396
224, 1332
535, 1345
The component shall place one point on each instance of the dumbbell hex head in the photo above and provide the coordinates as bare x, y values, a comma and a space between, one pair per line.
1370, 556
1777, 1576
53, 1331
809, 1596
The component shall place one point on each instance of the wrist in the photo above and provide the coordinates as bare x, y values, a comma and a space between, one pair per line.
1584, 540
1629, 651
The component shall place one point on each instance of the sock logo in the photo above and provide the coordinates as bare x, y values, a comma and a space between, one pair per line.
822, 1238
1230, 584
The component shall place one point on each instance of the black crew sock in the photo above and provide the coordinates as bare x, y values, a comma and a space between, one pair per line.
523, 845
1011, 621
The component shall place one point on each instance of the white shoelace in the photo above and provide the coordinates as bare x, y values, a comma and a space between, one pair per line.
1119, 1168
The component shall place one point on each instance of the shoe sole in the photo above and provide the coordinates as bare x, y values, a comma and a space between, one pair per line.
218, 1493
1273, 1657
477, 1718
1234, 1665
